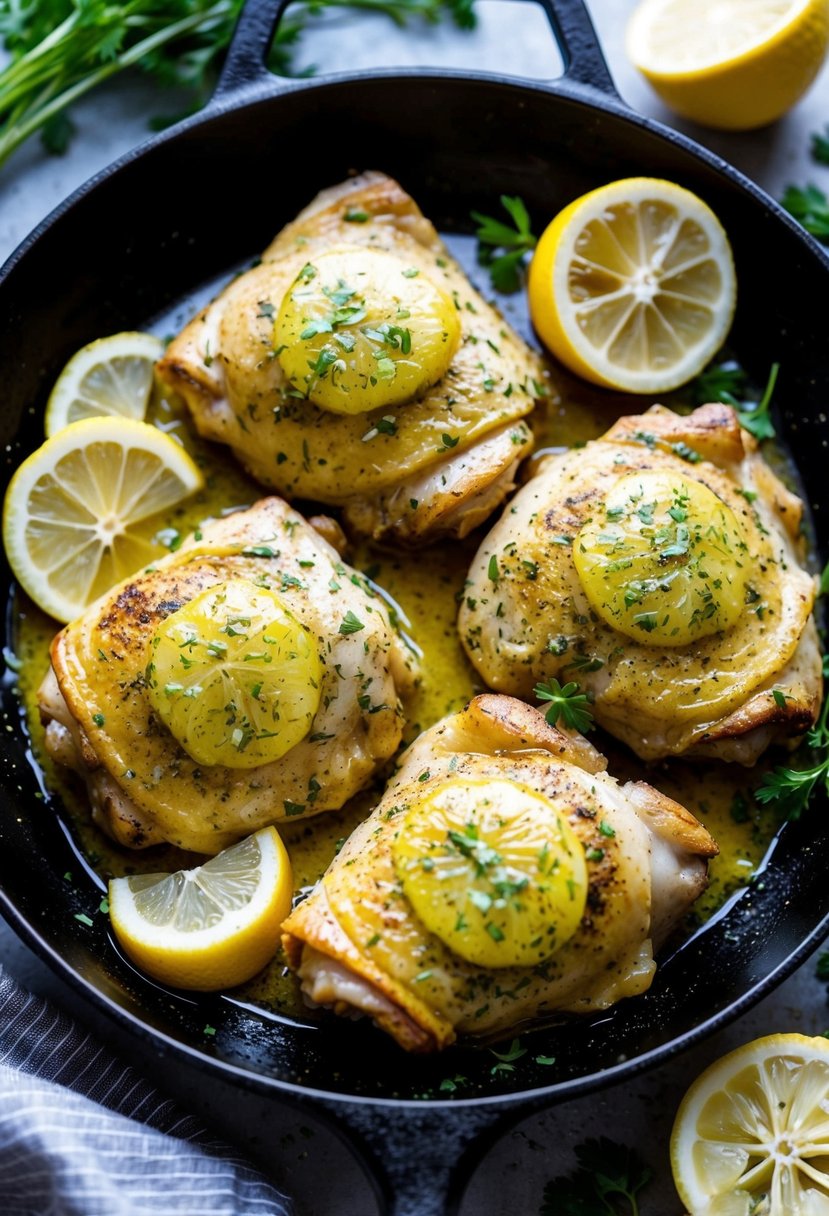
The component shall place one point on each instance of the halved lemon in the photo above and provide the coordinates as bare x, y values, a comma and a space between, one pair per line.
752, 1133
211, 927
734, 64
112, 376
77, 514
632, 286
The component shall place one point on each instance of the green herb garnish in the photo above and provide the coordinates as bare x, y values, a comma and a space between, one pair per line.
811, 207
503, 248
790, 789
60, 49
350, 624
567, 703
607, 1182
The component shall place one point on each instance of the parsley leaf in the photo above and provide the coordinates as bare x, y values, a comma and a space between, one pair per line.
820, 146
502, 248
811, 207
719, 382
350, 623
791, 789
71, 46
607, 1182
726, 382
568, 704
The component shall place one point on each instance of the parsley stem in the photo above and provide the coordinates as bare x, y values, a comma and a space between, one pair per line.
765, 400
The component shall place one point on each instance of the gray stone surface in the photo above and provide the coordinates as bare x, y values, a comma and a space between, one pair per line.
301, 1148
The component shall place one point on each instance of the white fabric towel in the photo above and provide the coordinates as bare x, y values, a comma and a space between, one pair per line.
81, 1134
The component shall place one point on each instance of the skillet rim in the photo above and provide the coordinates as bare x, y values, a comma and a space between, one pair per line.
237, 100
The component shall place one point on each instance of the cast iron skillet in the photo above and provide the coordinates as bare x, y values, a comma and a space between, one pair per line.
200, 199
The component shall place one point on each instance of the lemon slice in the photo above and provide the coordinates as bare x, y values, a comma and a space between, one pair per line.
752, 1133
663, 560
74, 512
493, 869
235, 676
632, 286
734, 64
361, 329
211, 927
112, 376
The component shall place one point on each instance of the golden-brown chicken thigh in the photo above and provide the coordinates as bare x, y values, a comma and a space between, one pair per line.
713, 650
105, 713
358, 944
436, 463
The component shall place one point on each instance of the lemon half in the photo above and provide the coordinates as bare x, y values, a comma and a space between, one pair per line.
111, 376
734, 64
752, 1133
73, 512
211, 927
632, 286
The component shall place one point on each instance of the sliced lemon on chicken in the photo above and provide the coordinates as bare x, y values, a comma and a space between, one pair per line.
632, 286
211, 927
493, 869
752, 1133
735, 64
77, 516
360, 329
234, 676
112, 376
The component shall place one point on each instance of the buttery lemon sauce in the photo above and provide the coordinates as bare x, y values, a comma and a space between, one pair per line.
425, 587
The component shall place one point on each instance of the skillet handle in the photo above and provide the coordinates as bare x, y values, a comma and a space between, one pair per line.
246, 67
573, 30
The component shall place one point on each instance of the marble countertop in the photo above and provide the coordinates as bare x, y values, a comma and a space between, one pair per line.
305, 1154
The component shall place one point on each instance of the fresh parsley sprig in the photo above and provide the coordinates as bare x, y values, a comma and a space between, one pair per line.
60, 49
568, 704
791, 789
820, 146
502, 248
607, 1183
810, 206
726, 382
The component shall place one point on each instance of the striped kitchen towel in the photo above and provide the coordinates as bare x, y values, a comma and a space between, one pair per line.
81, 1134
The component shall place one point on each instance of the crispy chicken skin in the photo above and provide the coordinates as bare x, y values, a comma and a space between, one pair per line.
651, 870
222, 364
143, 787
727, 696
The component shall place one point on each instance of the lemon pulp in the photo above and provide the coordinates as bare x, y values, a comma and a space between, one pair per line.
75, 511
734, 64
752, 1133
663, 560
493, 869
210, 927
111, 376
632, 286
234, 676
360, 330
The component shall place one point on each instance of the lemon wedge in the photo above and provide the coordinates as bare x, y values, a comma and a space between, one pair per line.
77, 513
734, 64
234, 676
632, 286
211, 927
493, 869
112, 376
752, 1133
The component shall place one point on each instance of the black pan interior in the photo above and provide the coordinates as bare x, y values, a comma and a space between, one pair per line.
201, 202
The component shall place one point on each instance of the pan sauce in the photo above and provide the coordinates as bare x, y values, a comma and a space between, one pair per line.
426, 592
